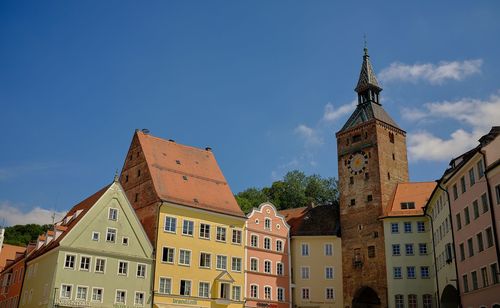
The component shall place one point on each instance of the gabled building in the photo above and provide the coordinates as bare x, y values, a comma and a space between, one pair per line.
98, 255
11, 278
408, 247
316, 254
267, 265
190, 214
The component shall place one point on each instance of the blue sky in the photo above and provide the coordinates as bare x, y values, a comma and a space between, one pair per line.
266, 84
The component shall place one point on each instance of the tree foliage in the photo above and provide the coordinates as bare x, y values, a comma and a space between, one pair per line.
295, 190
21, 235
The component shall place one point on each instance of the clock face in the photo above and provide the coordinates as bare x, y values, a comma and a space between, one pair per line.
357, 162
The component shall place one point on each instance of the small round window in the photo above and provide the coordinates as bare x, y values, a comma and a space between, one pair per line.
278, 226
256, 221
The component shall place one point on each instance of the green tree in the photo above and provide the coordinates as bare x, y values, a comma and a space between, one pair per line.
21, 235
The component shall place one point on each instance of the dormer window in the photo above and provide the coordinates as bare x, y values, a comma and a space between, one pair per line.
407, 205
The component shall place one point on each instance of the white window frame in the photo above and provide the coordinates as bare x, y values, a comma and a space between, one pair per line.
125, 240
173, 255
187, 221
210, 263
92, 295
257, 242
333, 294
95, 265
145, 270
257, 262
281, 245
266, 220
190, 287
86, 293
232, 263
270, 292
61, 291
223, 231
282, 268
269, 240
116, 293
267, 261
302, 268
302, 245
118, 268
327, 254
109, 213
217, 263
98, 236
159, 284
180, 254
233, 297
165, 224
326, 272
199, 289
256, 289
240, 236
143, 298
116, 235
308, 293
282, 297
209, 231
65, 259
80, 263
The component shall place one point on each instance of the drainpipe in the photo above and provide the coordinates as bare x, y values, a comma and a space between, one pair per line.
434, 254
453, 239
492, 210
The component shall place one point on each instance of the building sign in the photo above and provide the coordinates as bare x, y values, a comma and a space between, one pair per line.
266, 305
185, 301
71, 303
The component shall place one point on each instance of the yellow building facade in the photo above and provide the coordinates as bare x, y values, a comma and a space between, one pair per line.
199, 259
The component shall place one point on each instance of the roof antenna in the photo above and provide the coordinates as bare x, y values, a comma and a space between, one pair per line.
365, 45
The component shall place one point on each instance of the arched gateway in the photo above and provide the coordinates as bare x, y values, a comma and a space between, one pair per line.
449, 297
365, 297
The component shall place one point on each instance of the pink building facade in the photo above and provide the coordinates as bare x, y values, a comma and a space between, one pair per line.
473, 186
267, 268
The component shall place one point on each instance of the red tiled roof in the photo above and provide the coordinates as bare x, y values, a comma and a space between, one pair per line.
317, 220
9, 253
84, 206
187, 175
418, 193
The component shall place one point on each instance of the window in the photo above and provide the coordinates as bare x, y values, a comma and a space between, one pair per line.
371, 251
329, 272
221, 234
122, 268
410, 272
396, 272
484, 276
267, 243
81, 293
236, 237
280, 294
412, 301
205, 231
475, 207
472, 179
424, 272
305, 293
236, 264
125, 241
407, 226
407, 205
484, 202
394, 227
480, 168
139, 299
267, 224
70, 261
455, 192
462, 252
420, 226
236, 293
254, 291
409, 249
305, 249
391, 137
170, 224
494, 273
121, 297
353, 202
462, 184
221, 262
254, 264
470, 246
254, 241
203, 289
489, 237
330, 294
111, 235
205, 260
187, 227
356, 138
459, 221
351, 180
427, 300
267, 292
465, 283
279, 268
475, 285
304, 272
185, 288
66, 291
141, 270
165, 285
328, 249
399, 301
97, 294
167, 255
224, 290
422, 248
279, 245
480, 245
467, 215
267, 267
396, 250
184, 257
100, 265
95, 236
113, 214
84, 263
369, 198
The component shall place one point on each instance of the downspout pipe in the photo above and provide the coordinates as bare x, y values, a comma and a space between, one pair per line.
453, 239
434, 254
492, 210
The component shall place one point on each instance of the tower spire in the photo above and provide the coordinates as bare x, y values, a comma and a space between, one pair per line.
368, 88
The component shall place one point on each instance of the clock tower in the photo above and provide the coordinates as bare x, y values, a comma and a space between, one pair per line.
371, 161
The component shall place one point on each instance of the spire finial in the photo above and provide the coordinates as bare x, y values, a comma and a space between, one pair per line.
365, 44
116, 176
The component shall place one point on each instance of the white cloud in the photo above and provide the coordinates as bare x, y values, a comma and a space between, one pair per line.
14, 216
432, 73
10, 172
479, 115
309, 134
331, 114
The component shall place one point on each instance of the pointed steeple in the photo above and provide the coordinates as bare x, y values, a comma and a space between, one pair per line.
367, 78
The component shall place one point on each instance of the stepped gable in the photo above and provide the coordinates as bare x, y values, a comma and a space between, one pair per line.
313, 220
417, 192
68, 222
187, 175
